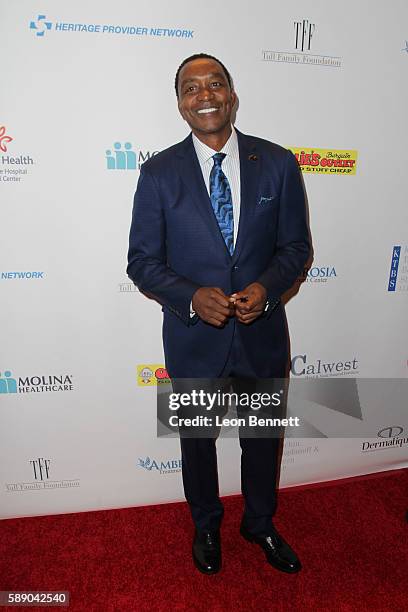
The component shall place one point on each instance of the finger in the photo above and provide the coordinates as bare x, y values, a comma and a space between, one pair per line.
249, 317
214, 322
220, 299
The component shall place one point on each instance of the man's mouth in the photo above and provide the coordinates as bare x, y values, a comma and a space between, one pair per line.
207, 110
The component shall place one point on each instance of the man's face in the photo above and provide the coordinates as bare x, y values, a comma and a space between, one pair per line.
205, 97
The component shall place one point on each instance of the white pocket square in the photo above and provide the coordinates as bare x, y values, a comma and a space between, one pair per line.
264, 200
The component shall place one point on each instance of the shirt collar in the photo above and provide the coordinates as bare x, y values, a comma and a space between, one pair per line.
205, 153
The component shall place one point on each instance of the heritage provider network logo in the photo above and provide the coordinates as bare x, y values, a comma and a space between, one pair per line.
41, 25
325, 161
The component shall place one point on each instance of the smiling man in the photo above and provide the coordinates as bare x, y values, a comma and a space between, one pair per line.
218, 234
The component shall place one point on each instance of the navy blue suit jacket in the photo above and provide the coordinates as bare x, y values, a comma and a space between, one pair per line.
176, 247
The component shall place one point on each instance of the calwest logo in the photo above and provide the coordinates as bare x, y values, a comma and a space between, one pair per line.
302, 366
124, 158
40, 25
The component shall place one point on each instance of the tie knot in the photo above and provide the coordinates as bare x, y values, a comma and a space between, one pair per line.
218, 158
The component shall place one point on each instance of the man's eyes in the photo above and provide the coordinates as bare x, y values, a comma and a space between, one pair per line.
213, 85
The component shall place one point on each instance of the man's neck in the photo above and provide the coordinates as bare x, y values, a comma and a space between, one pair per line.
215, 141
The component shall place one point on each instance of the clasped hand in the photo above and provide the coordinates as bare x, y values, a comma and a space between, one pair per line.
214, 307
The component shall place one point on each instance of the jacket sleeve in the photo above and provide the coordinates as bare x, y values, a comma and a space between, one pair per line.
293, 244
147, 262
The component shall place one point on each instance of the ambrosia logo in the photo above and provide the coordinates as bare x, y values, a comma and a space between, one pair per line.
35, 384
151, 375
40, 26
317, 274
302, 366
125, 158
325, 161
164, 467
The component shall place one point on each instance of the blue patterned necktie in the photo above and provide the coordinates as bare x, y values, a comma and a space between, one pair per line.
221, 200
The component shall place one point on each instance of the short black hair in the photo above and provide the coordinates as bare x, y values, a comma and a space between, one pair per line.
200, 56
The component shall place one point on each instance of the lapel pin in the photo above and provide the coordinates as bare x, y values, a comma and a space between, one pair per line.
253, 157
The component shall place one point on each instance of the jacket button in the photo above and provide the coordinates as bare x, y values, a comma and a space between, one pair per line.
235, 267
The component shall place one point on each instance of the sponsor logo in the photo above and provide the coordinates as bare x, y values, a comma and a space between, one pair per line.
318, 274
398, 278
13, 168
391, 437
124, 158
304, 36
170, 466
302, 366
406, 47
21, 275
4, 139
151, 375
41, 25
325, 161
49, 383
42, 478
127, 288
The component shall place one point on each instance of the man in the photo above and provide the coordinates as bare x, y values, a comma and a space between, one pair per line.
218, 234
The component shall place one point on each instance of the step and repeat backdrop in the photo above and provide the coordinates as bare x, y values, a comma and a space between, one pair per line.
87, 96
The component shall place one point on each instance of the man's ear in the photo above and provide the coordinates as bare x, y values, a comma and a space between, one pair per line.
234, 98
180, 109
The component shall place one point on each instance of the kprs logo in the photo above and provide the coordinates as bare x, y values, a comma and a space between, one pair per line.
390, 439
4, 139
170, 466
126, 159
40, 26
151, 375
317, 275
35, 384
301, 366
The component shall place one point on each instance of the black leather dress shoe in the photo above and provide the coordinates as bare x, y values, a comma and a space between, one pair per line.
278, 552
207, 551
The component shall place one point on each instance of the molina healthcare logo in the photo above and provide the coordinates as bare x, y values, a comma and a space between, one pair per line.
149, 375
41, 478
41, 25
325, 161
318, 274
170, 466
398, 277
302, 35
13, 168
49, 383
122, 157
303, 366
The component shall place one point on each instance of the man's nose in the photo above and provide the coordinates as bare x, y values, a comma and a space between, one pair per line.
206, 93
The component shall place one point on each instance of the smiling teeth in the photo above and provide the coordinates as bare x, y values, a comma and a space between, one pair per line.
207, 110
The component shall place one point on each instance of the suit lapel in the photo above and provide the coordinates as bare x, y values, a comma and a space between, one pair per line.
250, 168
193, 180
192, 177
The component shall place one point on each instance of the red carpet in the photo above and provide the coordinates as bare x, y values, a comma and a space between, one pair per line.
351, 538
